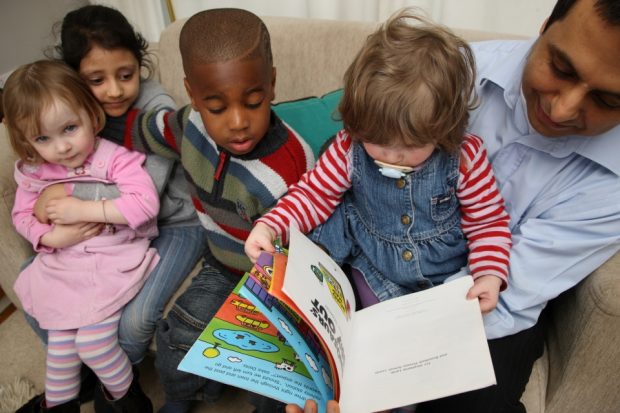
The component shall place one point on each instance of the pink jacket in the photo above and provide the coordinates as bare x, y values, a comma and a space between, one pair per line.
87, 282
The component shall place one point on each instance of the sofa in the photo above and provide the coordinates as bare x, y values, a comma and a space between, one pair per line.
580, 369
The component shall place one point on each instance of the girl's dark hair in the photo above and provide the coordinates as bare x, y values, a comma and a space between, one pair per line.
103, 26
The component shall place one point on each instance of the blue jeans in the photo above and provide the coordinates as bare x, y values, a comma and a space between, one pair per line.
181, 328
179, 248
175, 334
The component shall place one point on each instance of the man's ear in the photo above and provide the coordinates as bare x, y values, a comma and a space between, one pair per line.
188, 89
273, 83
544, 26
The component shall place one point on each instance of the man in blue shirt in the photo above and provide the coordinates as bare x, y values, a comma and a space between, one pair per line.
549, 115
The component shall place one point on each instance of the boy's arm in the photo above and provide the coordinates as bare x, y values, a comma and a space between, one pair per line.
484, 219
312, 200
158, 168
139, 200
159, 131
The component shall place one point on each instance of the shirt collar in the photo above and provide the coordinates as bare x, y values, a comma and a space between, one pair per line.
506, 75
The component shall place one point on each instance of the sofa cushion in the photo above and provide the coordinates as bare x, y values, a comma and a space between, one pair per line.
314, 118
15, 249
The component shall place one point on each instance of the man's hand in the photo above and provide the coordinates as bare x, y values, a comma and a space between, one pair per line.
261, 238
55, 191
67, 210
310, 407
486, 290
62, 236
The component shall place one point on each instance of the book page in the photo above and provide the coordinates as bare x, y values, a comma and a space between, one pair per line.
322, 292
417, 347
242, 347
295, 333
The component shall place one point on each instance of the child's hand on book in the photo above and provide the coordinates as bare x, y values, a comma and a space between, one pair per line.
310, 407
261, 238
486, 290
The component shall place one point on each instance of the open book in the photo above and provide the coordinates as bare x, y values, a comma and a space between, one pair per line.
290, 331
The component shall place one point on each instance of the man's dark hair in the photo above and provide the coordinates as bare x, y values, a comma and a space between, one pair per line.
608, 10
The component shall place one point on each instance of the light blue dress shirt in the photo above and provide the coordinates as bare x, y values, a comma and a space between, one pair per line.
562, 194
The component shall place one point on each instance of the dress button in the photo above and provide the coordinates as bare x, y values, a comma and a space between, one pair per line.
407, 255
400, 183
405, 219
100, 164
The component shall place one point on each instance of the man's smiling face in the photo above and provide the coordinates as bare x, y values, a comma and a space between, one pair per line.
571, 80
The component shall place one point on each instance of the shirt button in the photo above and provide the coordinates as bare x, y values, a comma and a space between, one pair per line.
405, 219
100, 164
400, 183
407, 255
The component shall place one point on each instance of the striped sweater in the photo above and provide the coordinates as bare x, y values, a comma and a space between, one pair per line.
228, 191
484, 220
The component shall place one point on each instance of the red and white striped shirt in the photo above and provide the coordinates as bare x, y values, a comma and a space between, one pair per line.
484, 220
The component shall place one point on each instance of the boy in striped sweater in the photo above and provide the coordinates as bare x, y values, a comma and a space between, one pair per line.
404, 195
239, 158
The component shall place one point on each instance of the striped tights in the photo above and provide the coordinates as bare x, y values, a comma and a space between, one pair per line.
97, 346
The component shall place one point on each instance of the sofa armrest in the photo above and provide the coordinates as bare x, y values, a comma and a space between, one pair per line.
15, 249
584, 344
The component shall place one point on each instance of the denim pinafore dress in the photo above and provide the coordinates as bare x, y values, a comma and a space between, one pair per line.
403, 235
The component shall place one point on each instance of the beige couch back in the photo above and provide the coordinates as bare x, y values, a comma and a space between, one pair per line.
310, 55
310, 58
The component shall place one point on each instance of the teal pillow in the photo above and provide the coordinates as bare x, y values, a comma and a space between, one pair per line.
314, 118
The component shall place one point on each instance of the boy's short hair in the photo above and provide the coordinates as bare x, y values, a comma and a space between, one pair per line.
32, 89
219, 35
413, 82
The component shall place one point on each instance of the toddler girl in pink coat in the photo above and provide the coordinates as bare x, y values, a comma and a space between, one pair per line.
95, 255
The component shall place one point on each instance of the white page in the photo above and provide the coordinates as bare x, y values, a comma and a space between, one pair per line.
417, 347
335, 296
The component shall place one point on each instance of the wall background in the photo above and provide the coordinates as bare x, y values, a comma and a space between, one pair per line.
522, 17
26, 25
26, 29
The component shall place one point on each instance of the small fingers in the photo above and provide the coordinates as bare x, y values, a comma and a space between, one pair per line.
487, 305
310, 406
333, 407
292, 408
